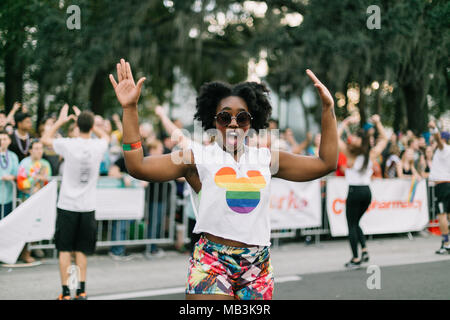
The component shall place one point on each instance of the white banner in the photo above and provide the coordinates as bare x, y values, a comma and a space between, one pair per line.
34, 220
389, 212
295, 205
120, 203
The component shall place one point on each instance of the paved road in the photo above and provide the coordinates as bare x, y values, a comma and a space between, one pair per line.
413, 281
428, 281
409, 270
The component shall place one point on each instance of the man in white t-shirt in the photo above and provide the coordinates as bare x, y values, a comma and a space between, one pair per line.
76, 228
440, 174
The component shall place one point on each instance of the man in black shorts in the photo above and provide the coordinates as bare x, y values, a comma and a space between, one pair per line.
76, 227
440, 174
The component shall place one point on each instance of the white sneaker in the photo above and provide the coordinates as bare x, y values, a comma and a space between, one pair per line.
123, 257
159, 253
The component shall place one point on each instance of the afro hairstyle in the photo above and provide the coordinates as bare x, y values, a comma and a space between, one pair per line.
255, 95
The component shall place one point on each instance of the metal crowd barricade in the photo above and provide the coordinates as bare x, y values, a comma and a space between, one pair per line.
144, 232
3, 192
156, 227
324, 229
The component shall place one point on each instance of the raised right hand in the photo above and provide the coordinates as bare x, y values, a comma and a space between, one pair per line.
127, 91
324, 93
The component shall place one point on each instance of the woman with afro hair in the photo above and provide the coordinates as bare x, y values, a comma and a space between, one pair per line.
232, 179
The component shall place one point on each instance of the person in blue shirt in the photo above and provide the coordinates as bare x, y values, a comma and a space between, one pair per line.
9, 164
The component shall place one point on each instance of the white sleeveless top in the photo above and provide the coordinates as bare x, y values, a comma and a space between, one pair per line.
355, 177
440, 165
235, 195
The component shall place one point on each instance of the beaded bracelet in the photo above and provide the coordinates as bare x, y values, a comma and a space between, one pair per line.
131, 146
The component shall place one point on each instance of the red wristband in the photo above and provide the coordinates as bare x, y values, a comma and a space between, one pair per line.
132, 146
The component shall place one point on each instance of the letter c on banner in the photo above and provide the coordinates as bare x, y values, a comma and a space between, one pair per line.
335, 210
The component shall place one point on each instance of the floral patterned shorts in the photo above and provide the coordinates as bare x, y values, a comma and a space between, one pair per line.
243, 273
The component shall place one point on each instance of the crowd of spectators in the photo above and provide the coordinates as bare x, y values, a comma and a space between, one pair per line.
405, 155
25, 160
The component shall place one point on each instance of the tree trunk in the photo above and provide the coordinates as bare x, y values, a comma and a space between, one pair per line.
399, 112
378, 104
14, 68
96, 92
362, 105
40, 104
416, 109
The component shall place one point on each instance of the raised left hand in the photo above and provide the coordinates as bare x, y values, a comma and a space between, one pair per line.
127, 91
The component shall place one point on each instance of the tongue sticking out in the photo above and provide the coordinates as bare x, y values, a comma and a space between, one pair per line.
232, 139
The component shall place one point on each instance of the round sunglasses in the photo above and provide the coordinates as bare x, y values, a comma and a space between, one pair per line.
224, 118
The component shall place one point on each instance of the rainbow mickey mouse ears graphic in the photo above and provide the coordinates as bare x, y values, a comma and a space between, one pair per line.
243, 194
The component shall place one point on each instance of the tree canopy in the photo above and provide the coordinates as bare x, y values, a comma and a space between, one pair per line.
400, 70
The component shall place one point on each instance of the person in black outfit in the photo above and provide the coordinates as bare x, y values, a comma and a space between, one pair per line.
360, 158
21, 137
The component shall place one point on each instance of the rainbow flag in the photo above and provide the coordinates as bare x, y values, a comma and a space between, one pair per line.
412, 189
242, 193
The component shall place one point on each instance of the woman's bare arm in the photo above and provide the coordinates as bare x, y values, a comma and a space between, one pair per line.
175, 133
382, 140
415, 172
49, 134
343, 127
116, 120
436, 135
302, 168
342, 145
14, 109
297, 148
152, 168
399, 168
